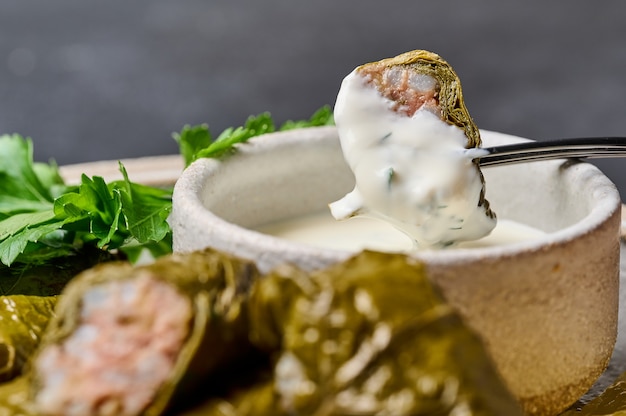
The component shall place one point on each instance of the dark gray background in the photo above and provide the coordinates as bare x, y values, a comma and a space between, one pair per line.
107, 80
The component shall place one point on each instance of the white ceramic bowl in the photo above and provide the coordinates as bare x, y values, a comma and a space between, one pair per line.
547, 309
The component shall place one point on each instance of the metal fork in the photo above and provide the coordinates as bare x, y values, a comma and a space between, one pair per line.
582, 148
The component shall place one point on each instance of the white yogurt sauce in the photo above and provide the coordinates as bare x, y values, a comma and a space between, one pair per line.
413, 172
321, 230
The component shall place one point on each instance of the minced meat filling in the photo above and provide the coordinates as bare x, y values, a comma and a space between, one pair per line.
408, 89
124, 348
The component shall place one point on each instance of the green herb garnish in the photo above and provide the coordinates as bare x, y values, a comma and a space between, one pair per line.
391, 173
196, 142
42, 218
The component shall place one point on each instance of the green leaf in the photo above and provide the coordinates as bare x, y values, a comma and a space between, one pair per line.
155, 249
146, 209
50, 178
107, 227
191, 140
10, 205
70, 206
14, 245
195, 142
322, 117
17, 173
42, 218
255, 126
99, 199
101, 206
18, 222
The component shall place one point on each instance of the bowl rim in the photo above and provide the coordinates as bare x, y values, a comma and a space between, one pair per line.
187, 203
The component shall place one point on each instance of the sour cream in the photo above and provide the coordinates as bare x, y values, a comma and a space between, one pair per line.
412, 171
323, 231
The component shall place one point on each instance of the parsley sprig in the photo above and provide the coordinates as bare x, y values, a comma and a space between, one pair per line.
42, 218
196, 141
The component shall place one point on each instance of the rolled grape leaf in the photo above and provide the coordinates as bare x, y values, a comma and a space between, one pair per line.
402, 122
27, 304
23, 320
130, 340
369, 336
390, 75
14, 399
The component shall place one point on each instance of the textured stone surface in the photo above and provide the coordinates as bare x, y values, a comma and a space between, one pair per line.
92, 81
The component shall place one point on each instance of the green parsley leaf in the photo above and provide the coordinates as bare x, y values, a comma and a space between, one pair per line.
42, 219
145, 209
255, 126
196, 142
156, 249
18, 222
11, 205
191, 140
20, 179
98, 206
15, 244
322, 117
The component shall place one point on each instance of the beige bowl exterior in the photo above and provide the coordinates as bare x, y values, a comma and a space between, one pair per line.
547, 309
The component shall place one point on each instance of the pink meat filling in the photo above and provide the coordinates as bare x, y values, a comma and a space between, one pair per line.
129, 337
408, 89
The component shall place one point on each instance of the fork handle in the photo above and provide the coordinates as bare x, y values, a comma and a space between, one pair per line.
584, 147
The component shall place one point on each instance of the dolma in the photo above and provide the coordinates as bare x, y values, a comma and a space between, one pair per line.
130, 340
371, 336
14, 400
23, 320
446, 100
203, 333
29, 294
409, 140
